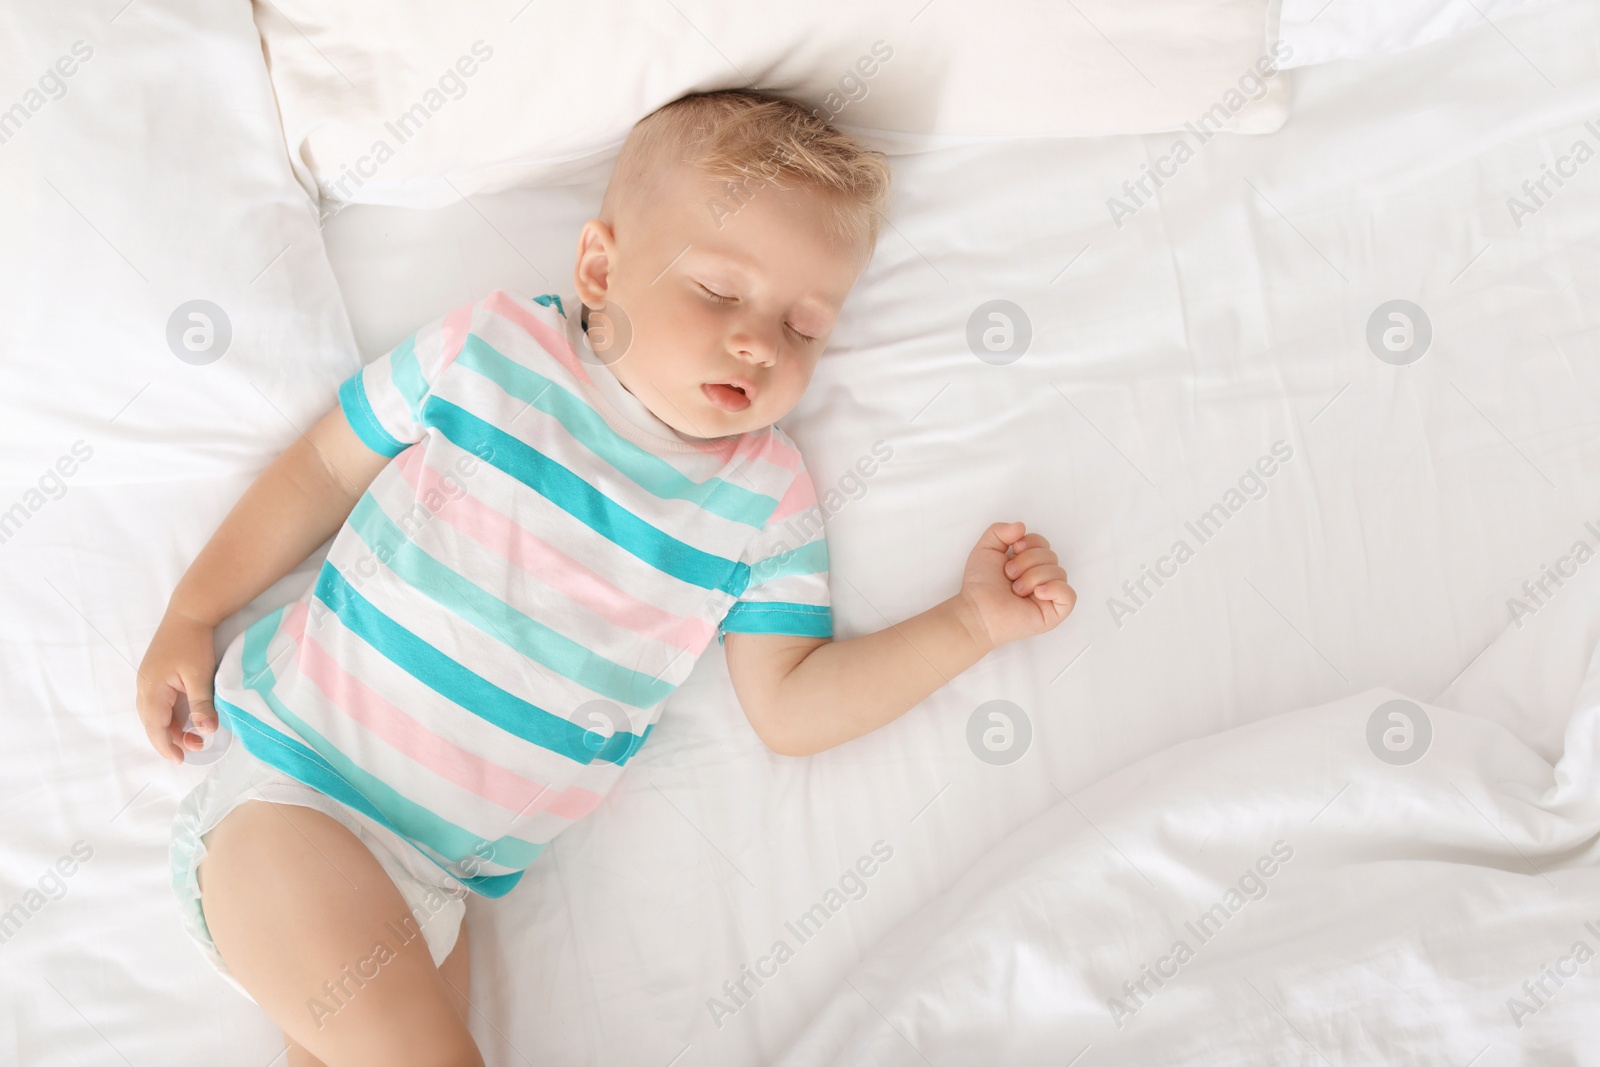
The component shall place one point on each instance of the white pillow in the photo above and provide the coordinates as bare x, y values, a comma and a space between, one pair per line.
415, 103
142, 167
1320, 31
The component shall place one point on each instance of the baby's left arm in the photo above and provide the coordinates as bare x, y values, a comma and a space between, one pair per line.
806, 694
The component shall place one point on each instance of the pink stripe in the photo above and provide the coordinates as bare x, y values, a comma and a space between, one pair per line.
410, 738
780, 454
454, 335
801, 495
767, 448
294, 620
737, 450
555, 568
553, 341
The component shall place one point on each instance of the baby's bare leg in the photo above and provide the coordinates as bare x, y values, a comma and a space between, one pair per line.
456, 970
302, 913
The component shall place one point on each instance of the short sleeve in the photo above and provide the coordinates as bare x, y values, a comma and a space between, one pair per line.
788, 560
383, 400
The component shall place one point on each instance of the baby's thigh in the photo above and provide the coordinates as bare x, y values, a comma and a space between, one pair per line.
310, 923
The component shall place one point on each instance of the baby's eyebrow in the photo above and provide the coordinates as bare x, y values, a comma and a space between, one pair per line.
743, 265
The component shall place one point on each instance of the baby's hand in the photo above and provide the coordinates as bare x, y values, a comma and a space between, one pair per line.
181, 659
1017, 595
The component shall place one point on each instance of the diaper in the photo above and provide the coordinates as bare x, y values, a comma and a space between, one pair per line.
436, 901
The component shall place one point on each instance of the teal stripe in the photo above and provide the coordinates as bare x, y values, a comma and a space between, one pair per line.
550, 298
499, 619
584, 502
304, 765
256, 639
338, 777
807, 559
778, 617
463, 687
407, 376
359, 414
650, 472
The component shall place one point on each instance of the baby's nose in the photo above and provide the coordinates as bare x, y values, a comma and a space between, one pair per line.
751, 350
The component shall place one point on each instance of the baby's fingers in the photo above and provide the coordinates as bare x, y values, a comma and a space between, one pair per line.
1029, 558
1056, 599
1034, 577
202, 712
1058, 591
1000, 536
155, 702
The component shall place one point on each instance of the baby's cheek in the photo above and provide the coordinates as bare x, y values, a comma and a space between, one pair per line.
797, 376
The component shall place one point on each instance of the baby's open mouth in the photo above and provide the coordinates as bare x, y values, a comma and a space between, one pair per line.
729, 396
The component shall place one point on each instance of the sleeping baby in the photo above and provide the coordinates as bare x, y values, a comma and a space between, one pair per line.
543, 511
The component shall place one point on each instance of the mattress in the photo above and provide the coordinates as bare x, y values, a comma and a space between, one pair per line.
1178, 341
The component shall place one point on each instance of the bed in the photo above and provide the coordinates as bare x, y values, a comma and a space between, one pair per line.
1373, 673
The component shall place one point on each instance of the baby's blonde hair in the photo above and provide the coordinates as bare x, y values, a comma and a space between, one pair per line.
749, 139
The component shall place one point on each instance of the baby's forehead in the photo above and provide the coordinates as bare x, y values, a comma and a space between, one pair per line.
730, 205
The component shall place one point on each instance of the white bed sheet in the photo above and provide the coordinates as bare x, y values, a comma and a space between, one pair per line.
1167, 356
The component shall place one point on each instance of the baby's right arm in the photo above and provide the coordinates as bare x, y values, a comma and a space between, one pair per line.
299, 501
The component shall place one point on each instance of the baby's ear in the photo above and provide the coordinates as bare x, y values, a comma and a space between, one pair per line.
591, 274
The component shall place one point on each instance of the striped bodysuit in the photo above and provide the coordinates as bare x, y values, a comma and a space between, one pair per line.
536, 569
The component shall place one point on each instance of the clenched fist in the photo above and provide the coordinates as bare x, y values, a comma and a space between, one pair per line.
1014, 586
